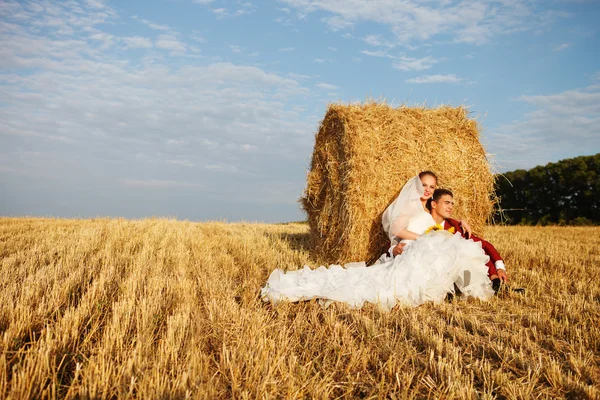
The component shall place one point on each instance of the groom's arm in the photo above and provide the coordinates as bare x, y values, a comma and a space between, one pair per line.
495, 258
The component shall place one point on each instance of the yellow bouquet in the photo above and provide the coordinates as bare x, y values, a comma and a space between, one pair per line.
438, 227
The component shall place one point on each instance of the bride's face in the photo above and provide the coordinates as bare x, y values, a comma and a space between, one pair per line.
429, 184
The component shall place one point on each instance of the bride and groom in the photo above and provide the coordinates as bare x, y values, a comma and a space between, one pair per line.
438, 203
429, 259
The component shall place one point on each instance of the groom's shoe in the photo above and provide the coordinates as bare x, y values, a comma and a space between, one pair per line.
457, 293
498, 286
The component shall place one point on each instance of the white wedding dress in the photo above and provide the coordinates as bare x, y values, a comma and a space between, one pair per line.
426, 271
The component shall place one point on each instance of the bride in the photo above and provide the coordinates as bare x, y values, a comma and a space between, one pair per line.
411, 202
432, 263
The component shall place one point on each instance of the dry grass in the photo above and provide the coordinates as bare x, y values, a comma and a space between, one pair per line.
168, 309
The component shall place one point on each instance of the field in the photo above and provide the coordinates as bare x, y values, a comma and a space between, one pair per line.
114, 308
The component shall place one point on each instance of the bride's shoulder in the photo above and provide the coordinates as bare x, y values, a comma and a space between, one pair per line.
420, 222
423, 215
421, 219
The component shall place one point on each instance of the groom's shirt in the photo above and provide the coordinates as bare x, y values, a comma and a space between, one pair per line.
495, 262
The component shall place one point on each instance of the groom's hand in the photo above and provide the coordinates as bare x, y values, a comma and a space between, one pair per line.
398, 249
502, 275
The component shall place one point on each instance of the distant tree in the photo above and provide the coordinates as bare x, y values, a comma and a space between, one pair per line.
566, 192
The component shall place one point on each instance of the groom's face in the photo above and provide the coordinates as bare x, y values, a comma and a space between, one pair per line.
444, 206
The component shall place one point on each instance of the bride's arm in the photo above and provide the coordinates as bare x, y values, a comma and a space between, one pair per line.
406, 234
466, 227
398, 229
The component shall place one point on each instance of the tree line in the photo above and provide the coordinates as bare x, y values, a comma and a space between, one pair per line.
563, 193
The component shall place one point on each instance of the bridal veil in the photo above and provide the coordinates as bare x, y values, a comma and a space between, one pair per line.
407, 204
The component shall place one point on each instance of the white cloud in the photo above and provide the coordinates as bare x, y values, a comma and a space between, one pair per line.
103, 111
222, 13
155, 183
152, 25
415, 64
196, 37
378, 53
570, 102
451, 78
326, 86
102, 37
214, 166
137, 42
413, 21
561, 125
337, 23
240, 12
378, 41
284, 21
95, 4
236, 49
248, 147
301, 77
170, 43
184, 163
561, 47
203, 2
12, 170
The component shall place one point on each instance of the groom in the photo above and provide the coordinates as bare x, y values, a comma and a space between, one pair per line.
441, 205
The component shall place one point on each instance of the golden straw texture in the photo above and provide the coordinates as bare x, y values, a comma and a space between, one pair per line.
363, 155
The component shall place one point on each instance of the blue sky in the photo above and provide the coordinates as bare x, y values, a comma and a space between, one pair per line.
207, 109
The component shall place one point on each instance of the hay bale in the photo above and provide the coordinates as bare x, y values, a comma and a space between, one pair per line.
363, 155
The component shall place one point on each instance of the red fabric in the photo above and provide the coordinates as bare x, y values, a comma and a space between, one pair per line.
488, 248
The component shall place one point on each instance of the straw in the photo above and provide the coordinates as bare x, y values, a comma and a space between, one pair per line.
363, 155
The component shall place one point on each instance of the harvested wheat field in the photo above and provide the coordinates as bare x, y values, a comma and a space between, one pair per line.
157, 308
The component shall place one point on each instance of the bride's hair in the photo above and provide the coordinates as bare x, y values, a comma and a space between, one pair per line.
427, 173
437, 194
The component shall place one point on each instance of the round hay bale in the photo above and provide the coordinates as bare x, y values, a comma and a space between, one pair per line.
363, 155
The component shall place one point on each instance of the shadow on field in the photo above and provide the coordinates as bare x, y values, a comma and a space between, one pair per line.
297, 241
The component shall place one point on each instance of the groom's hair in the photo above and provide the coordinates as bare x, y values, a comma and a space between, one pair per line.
437, 195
